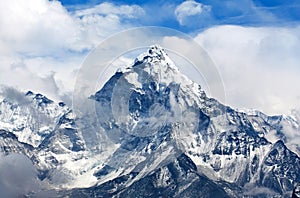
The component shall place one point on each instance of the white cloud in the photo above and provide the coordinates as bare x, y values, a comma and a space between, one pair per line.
46, 27
105, 8
18, 176
42, 44
259, 66
35, 26
101, 21
40, 74
291, 130
189, 8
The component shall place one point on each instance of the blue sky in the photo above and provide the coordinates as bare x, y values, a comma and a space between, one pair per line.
255, 44
237, 12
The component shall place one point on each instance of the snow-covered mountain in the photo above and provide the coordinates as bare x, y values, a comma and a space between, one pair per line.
166, 139
45, 132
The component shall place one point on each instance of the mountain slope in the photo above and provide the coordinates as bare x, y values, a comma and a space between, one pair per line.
42, 130
152, 103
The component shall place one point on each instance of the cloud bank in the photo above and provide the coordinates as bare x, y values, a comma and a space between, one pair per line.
42, 27
259, 66
42, 43
18, 177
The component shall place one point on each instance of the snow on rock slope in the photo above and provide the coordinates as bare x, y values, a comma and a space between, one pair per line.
45, 132
156, 113
166, 138
32, 120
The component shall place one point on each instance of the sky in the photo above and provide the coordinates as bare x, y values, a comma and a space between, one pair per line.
255, 44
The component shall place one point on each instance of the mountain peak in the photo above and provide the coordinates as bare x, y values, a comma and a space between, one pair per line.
38, 98
154, 54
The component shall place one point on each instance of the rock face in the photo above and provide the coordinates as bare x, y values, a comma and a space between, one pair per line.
42, 130
166, 139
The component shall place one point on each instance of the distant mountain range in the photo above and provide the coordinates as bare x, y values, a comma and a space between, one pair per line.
159, 136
